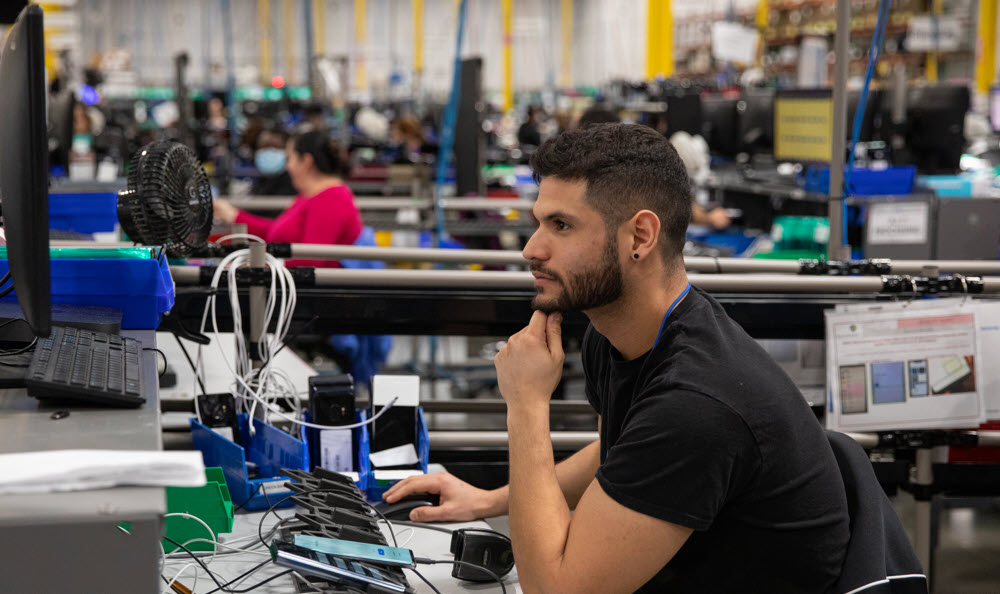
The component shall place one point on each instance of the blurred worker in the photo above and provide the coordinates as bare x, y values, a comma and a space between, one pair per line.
323, 212
406, 134
271, 160
528, 134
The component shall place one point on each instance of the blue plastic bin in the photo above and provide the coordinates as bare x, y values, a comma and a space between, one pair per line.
893, 181
142, 289
375, 489
92, 212
271, 449
361, 463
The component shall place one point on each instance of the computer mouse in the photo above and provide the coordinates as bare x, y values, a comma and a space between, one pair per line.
400, 510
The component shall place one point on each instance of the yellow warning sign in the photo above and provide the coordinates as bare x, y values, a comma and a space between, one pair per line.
803, 128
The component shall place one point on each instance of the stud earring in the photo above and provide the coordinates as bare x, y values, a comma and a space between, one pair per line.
635, 256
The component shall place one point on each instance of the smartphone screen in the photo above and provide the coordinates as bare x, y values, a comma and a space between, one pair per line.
356, 550
332, 568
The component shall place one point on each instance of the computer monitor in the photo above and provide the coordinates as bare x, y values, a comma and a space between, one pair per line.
935, 127
803, 125
683, 113
871, 123
756, 109
24, 168
995, 108
721, 125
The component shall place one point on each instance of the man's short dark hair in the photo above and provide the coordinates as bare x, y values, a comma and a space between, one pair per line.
597, 115
627, 168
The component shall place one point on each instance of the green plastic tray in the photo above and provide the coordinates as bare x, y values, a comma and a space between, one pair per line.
210, 503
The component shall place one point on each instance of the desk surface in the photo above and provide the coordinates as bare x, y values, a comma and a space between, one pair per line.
424, 543
26, 426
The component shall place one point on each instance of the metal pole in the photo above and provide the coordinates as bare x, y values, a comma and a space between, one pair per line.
836, 250
310, 44
231, 107
258, 302
563, 440
922, 537
737, 283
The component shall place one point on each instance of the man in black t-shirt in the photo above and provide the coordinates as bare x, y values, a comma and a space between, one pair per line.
711, 474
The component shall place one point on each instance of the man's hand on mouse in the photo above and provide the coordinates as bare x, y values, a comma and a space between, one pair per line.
460, 501
529, 366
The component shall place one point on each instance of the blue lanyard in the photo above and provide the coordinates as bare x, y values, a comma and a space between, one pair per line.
669, 311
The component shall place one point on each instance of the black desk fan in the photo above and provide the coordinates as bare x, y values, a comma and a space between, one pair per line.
168, 200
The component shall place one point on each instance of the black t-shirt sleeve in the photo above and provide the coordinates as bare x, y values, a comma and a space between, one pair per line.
681, 456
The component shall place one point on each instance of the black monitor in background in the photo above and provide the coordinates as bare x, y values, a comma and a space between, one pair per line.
871, 124
995, 108
24, 168
9, 9
756, 109
61, 127
935, 127
720, 125
683, 113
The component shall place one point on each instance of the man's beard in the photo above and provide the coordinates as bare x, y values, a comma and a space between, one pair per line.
588, 289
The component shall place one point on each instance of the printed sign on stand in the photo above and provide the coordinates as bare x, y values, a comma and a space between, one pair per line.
896, 366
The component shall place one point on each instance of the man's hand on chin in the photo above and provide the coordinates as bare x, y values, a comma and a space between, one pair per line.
529, 366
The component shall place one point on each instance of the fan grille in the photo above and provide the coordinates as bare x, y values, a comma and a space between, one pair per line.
168, 201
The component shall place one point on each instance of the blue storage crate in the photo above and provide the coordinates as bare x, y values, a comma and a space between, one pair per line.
375, 489
737, 242
271, 449
892, 181
361, 463
142, 289
91, 212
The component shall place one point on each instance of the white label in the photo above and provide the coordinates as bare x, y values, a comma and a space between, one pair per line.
397, 456
336, 450
897, 223
732, 42
922, 36
395, 475
226, 432
404, 388
274, 488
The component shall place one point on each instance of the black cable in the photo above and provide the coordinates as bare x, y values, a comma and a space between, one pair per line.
392, 532
423, 525
162, 355
194, 368
259, 584
243, 575
5, 278
426, 581
454, 562
292, 336
7, 291
240, 506
200, 562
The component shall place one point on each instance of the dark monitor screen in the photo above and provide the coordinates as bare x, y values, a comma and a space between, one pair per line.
9, 9
683, 114
24, 167
721, 125
935, 127
872, 119
757, 120
995, 108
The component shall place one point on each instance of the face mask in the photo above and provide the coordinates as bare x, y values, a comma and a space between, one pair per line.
270, 161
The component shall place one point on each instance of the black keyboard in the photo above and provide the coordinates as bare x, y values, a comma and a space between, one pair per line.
88, 366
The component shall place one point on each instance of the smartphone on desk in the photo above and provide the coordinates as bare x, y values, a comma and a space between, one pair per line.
357, 550
334, 569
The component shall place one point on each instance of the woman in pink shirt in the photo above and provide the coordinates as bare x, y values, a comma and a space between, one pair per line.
323, 211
